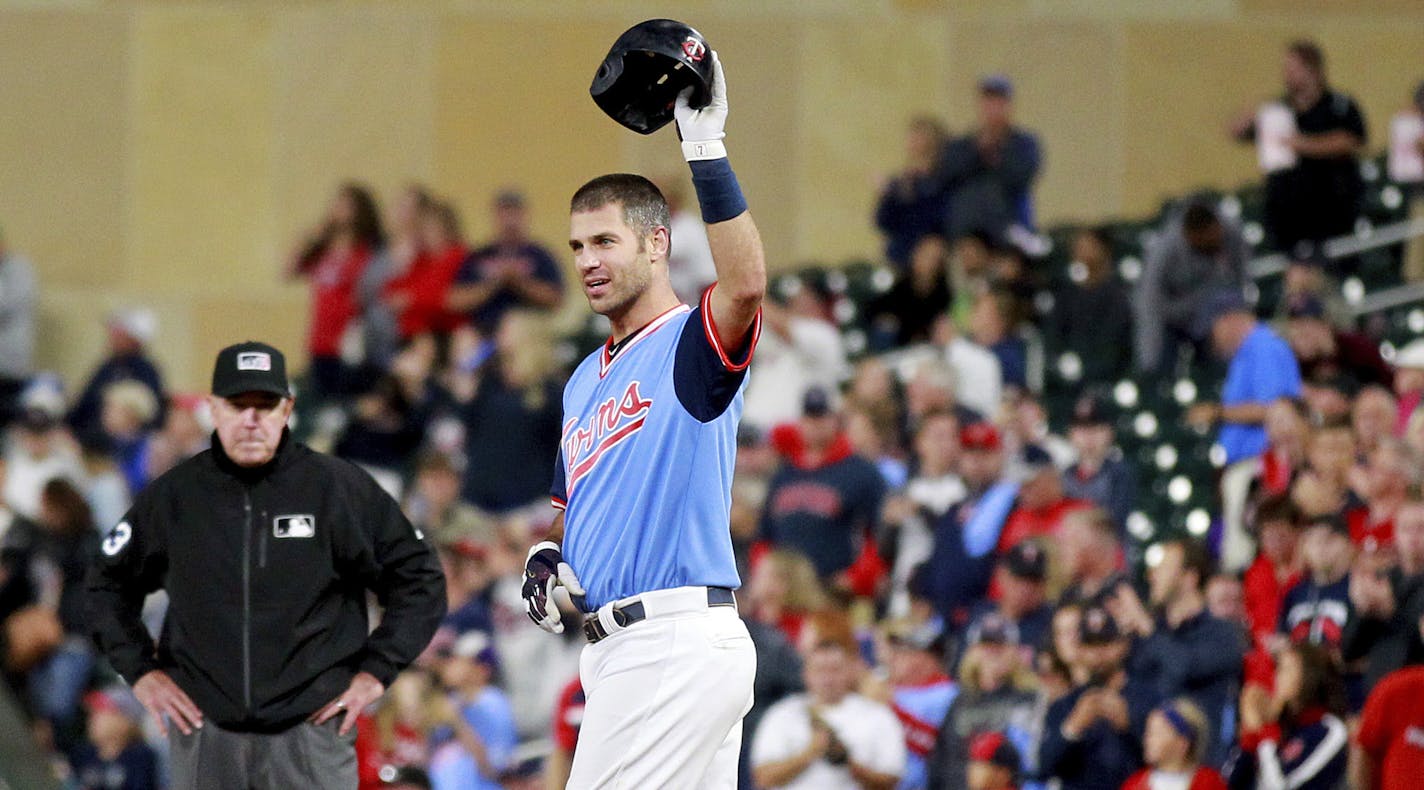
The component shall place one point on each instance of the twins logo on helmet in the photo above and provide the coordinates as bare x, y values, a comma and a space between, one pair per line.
694, 49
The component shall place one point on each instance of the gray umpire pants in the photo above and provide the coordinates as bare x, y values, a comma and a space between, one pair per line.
306, 756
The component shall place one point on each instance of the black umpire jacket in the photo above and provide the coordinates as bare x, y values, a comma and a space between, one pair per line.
266, 571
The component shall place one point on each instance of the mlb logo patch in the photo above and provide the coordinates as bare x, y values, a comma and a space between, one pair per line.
302, 526
254, 360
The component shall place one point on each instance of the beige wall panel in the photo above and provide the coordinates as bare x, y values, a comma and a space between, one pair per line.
72, 322
354, 100
1068, 88
859, 86
220, 320
203, 140
63, 141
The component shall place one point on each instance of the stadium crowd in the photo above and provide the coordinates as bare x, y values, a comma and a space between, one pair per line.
942, 582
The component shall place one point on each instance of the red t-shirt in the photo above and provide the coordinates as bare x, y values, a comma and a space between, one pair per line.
1262, 594
568, 716
333, 298
408, 747
1367, 535
1204, 779
1392, 730
427, 283
1023, 523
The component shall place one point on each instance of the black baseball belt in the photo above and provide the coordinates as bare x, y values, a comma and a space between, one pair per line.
631, 613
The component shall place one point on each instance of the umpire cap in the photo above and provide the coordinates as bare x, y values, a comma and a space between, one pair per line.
250, 367
648, 66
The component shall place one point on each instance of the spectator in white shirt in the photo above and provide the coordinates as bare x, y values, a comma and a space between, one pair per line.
828, 738
978, 377
799, 349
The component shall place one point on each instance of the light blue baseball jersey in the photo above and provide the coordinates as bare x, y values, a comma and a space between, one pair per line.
644, 473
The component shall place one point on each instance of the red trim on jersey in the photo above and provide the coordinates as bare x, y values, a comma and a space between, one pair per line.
709, 327
559, 504
605, 361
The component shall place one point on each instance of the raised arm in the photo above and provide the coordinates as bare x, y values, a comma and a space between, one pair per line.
736, 245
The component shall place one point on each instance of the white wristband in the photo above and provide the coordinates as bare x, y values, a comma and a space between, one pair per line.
703, 150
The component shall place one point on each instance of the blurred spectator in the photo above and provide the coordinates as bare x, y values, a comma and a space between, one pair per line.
104, 486
1196, 256
186, 431
995, 695
690, 266
568, 718
1174, 748
484, 729
39, 450
1091, 556
1091, 736
988, 173
511, 271
403, 257
129, 409
906, 314
397, 735
333, 257
1316, 610
994, 763
1294, 737
29, 629
1099, 475
1326, 353
978, 377
1183, 651
1028, 436
799, 350
60, 547
115, 756
408, 778
1021, 582
830, 737
1261, 370
1372, 416
1388, 602
1324, 486
935, 386
912, 203
130, 332
1408, 382
1287, 437
993, 327
1318, 197
1042, 504
959, 569
783, 591
933, 488
416, 297
873, 435
1389, 753
513, 419
922, 694
1226, 599
435, 508
825, 501
1092, 316
1277, 567
1384, 482
384, 432
468, 576
19, 298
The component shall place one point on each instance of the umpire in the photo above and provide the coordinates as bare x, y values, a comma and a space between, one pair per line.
266, 549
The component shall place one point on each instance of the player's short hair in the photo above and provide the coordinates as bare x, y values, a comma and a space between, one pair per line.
644, 207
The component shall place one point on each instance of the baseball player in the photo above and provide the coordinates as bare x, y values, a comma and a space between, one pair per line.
643, 479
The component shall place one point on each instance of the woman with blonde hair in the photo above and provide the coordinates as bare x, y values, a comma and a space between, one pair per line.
784, 591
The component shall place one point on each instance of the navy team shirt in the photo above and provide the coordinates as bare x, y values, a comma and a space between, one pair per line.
644, 472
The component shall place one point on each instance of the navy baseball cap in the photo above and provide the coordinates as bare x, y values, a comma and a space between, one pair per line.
816, 402
1097, 627
997, 85
993, 629
1027, 560
1091, 410
250, 367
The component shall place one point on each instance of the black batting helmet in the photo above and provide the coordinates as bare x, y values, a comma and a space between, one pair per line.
648, 66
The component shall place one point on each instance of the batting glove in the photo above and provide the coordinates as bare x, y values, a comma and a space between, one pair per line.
702, 130
544, 570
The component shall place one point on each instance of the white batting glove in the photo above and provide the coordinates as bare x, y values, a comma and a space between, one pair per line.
544, 571
702, 130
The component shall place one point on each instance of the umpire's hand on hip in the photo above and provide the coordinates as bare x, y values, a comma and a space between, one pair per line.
364, 690
162, 697
545, 570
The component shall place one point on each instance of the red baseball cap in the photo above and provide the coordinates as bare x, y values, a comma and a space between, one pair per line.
996, 749
979, 436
